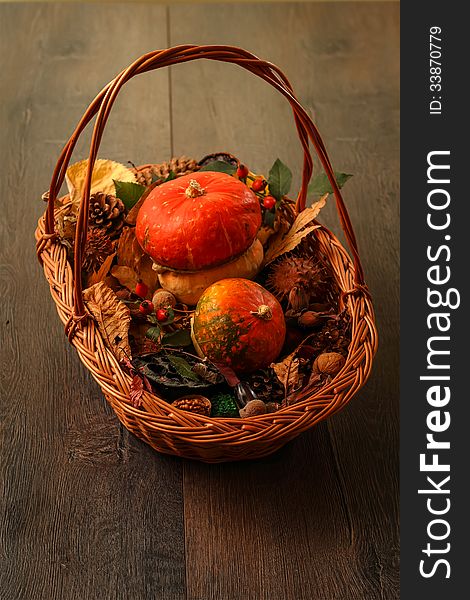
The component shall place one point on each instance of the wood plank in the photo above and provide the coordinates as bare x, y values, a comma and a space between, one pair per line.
87, 510
320, 518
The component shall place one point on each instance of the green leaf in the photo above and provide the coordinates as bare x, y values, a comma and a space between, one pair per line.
269, 218
129, 192
220, 166
320, 184
279, 180
183, 367
155, 178
153, 333
182, 337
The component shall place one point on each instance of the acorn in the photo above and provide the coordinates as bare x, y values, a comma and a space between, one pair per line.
253, 408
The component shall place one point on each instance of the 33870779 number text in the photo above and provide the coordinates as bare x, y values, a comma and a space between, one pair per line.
435, 70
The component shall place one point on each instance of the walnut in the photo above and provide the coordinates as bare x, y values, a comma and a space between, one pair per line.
163, 299
329, 363
253, 408
195, 404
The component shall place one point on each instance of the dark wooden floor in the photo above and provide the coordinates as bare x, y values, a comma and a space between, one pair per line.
89, 512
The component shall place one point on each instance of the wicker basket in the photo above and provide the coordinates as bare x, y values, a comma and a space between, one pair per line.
161, 425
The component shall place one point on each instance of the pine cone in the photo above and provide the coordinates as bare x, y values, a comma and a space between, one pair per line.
334, 336
266, 386
179, 166
98, 246
107, 212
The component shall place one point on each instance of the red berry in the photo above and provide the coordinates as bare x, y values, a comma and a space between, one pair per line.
146, 307
258, 184
141, 289
162, 314
242, 172
269, 202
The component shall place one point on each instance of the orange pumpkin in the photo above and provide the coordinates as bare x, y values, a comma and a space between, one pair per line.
239, 324
197, 221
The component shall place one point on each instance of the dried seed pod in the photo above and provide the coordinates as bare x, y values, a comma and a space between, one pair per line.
219, 156
163, 299
205, 372
299, 280
253, 408
98, 246
309, 319
195, 404
329, 363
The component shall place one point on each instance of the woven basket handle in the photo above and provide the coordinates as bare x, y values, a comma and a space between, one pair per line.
103, 103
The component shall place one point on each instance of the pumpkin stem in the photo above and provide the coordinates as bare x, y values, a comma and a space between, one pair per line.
194, 189
263, 312
158, 268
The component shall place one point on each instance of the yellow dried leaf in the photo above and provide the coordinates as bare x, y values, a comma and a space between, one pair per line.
287, 372
112, 317
301, 227
104, 171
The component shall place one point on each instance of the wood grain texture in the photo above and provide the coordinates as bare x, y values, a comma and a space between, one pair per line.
320, 519
86, 510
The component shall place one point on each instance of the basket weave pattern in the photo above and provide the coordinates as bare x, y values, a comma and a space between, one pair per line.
161, 425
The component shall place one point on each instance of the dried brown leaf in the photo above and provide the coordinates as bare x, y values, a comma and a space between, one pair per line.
140, 343
287, 371
148, 275
129, 251
102, 272
136, 391
131, 255
112, 317
126, 276
281, 243
65, 226
112, 283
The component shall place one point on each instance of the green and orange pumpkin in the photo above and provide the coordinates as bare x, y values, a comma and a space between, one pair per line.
239, 324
